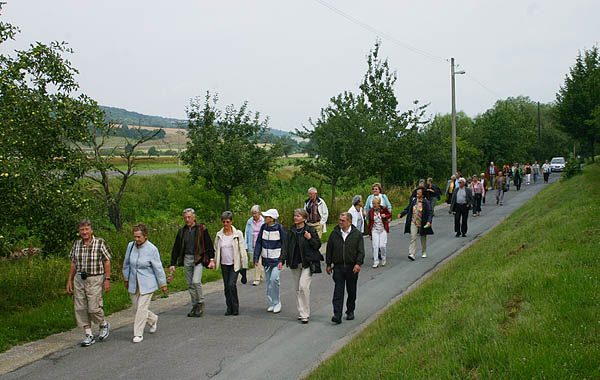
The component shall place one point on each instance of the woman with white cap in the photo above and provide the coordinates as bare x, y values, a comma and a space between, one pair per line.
268, 247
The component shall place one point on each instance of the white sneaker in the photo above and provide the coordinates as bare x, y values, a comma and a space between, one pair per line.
137, 339
270, 308
88, 341
424, 255
277, 308
154, 326
383, 262
411, 257
375, 265
104, 331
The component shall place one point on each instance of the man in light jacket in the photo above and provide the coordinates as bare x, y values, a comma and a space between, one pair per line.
462, 201
317, 212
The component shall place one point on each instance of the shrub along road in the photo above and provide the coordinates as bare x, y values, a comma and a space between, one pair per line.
257, 344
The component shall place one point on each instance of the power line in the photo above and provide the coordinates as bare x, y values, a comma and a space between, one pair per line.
381, 33
398, 42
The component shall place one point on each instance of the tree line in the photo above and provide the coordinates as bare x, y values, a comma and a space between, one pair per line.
47, 128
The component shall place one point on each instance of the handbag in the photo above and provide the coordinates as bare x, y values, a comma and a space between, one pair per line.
315, 267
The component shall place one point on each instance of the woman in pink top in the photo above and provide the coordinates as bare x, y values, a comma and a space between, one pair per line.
478, 192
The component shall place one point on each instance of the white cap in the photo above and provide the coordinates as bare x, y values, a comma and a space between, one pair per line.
272, 213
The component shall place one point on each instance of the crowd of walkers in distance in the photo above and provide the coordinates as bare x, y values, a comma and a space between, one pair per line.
270, 247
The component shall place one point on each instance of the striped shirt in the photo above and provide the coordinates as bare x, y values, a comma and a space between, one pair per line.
90, 259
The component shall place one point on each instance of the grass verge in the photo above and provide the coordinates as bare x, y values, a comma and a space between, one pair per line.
520, 303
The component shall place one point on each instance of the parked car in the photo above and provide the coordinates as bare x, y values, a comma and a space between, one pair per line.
557, 164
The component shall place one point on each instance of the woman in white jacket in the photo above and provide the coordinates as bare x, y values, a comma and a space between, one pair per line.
230, 255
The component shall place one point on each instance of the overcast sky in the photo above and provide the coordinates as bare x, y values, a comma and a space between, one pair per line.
288, 58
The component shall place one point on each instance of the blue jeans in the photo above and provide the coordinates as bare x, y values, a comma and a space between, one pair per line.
272, 280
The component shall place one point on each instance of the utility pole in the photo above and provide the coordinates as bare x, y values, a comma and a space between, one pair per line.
452, 74
539, 149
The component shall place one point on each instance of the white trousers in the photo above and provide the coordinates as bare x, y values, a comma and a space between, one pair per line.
302, 279
414, 233
141, 302
379, 240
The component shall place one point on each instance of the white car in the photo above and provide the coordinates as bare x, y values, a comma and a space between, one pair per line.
557, 164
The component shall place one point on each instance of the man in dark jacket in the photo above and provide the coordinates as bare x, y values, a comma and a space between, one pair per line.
462, 200
194, 250
346, 252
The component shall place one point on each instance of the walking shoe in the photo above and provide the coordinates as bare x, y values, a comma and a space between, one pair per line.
88, 341
375, 265
228, 312
104, 331
277, 308
244, 280
350, 316
383, 262
411, 257
154, 326
199, 310
304, 320
191, 313
458, 234
236, 312
256, 283
336, 319
137, 339
424, 255
464, 235
271, 307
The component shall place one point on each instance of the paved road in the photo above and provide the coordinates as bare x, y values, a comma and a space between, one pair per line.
257, 344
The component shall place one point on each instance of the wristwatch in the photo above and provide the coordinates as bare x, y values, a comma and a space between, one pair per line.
107, 278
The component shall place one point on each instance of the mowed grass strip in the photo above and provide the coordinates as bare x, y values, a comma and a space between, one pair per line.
521, 303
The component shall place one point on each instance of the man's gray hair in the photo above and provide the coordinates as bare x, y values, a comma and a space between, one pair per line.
347, 215
189, 210
227, 215
422, 180
356, 200
312, 190
85, 222
255, 208
429, 179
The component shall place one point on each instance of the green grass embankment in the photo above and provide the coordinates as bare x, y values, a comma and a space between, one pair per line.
521, 303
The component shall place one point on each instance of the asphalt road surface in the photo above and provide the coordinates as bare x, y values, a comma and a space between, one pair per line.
257, 344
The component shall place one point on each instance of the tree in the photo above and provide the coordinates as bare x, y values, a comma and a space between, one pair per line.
40, 119
578, 98
338, 137
105, 171
152, 151
223, 147
387, 126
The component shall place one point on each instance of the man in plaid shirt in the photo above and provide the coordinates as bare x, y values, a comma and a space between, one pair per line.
89, 274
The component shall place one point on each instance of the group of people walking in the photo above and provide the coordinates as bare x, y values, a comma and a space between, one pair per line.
271, 247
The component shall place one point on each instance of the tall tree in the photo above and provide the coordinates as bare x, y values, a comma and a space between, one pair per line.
338, 136
579, 97
387, 126
40, 119
223, 147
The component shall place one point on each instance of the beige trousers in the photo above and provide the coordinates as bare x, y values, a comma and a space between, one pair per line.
259, 271
412, 247
318, 227
141, 302
302, 278
87, 299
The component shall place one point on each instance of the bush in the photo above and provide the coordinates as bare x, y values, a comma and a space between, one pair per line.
572, 168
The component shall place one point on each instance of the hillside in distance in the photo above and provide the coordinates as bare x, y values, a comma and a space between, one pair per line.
122, 116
